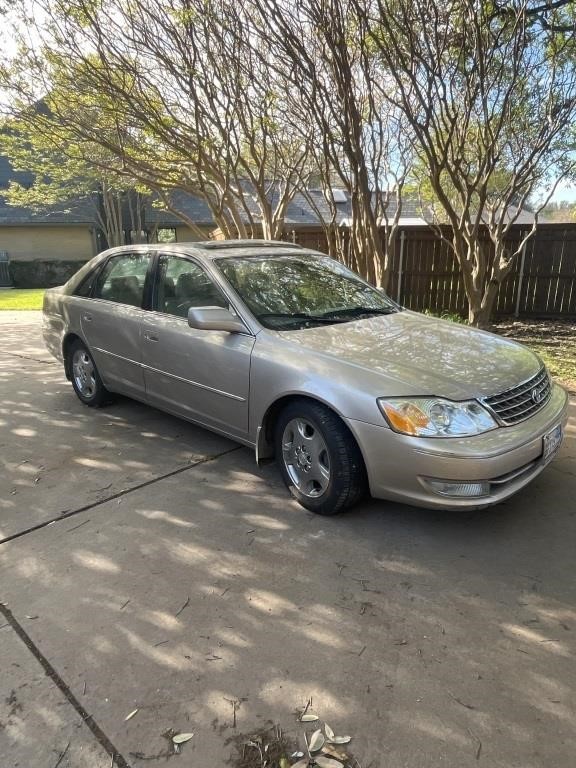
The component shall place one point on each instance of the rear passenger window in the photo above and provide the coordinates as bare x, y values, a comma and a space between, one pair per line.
122, 279
85, 287
183, 284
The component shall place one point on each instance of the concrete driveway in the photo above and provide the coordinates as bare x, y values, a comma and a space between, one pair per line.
147, 564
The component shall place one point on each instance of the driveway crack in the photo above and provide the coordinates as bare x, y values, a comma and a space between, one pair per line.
118, 495
33, 359
117, 758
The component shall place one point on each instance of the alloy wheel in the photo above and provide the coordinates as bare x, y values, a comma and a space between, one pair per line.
306, 458
84, 373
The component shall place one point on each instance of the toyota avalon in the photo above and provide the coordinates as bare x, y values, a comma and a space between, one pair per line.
289, 352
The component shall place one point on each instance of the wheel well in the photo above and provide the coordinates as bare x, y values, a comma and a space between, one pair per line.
266, 437
66, 344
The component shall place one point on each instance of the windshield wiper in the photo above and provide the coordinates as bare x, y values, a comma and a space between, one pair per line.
357, 312
321, 319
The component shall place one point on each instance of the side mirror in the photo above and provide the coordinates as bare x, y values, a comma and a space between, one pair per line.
214, 319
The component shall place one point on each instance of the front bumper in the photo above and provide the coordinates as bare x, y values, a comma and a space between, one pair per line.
398, 466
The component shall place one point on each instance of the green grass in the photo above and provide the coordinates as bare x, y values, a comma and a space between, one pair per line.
452, 316
21, 299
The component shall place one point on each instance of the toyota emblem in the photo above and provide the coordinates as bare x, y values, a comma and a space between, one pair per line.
537, 396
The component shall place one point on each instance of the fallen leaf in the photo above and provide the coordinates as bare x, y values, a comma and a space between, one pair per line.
327, 762
308, 718
341, 739
180, 738
301, 764
297, 754
316, 741
131, 715
329, 732
332, 751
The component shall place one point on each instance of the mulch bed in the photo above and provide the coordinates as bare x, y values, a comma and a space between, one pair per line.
554, 340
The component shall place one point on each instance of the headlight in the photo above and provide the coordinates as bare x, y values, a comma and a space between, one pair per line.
435, 417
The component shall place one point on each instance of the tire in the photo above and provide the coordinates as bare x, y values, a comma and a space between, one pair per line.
85, 377
319, 459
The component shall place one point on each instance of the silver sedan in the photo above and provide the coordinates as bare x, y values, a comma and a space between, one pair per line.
287, 351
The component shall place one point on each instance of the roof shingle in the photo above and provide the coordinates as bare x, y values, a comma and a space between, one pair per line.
302, 211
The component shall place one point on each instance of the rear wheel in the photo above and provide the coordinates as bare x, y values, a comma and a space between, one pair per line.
85, 377
319, 459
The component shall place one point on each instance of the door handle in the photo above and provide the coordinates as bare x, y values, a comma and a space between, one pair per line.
151, 336
87, 318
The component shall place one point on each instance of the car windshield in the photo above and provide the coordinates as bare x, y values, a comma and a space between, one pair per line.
291, 291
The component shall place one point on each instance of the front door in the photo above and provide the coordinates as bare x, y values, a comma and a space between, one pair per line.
111, 322
201, 375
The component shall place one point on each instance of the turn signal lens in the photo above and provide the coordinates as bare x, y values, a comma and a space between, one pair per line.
408, 418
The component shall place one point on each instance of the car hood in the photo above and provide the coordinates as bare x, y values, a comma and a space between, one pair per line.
423, 355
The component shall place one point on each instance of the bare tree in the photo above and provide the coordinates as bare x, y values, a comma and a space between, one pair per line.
235, 102
246, 110
489, 96
60, 169
172, 90
358, 138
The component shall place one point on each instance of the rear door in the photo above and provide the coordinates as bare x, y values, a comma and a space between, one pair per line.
111, 321
201, 375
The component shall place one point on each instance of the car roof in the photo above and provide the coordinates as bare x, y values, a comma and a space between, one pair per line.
212, 249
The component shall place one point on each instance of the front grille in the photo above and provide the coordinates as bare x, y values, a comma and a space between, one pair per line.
523, 401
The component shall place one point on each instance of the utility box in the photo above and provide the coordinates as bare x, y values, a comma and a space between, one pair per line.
5, 280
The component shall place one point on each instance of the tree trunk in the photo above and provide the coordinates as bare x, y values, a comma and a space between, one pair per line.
480, 312
482, 281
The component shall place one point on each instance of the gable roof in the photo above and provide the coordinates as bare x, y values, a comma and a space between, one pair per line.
312, 207
73, 212
76, 211
306, 211
8, 174
195, 208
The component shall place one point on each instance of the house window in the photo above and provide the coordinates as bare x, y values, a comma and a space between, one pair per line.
166, 235
138, 236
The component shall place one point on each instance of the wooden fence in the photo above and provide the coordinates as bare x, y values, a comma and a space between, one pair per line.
425, 274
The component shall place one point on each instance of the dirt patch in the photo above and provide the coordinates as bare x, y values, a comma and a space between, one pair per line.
269, 746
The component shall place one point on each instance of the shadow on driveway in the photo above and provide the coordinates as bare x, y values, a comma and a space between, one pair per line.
432, 638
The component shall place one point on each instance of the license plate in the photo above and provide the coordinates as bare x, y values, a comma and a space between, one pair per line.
552, 442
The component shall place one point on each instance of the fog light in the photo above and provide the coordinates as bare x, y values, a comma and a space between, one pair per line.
460, 490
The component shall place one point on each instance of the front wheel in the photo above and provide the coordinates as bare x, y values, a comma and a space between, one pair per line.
319, 459
85, 377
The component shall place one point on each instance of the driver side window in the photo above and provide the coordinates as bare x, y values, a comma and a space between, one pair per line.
183, 284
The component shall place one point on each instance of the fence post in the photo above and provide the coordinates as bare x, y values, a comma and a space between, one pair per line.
400, 264
520, 277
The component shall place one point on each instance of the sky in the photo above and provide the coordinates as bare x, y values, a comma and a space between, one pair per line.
564, 191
